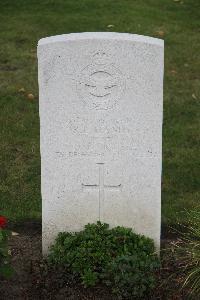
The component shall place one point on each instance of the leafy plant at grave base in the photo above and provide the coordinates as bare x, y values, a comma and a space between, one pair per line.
117, 257
187, 252
5, 269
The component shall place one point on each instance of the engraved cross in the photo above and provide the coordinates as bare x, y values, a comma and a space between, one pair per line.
101, 187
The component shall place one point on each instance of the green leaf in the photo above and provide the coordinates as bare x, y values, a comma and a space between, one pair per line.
6, 271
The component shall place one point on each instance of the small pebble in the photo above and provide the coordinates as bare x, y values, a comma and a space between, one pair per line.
22, 90
160, 33
14, 233
110, 26
30, 96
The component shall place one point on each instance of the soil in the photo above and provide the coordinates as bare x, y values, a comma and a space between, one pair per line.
33, 279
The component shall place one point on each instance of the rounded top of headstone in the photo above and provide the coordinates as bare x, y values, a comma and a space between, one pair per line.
101, 35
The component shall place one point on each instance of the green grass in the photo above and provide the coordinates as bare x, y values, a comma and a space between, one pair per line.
24, 22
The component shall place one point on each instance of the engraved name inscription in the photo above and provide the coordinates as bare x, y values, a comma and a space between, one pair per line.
99, 127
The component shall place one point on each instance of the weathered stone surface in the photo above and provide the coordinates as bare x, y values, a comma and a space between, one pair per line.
101, 100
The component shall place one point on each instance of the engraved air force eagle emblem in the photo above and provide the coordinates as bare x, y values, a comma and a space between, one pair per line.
100, 84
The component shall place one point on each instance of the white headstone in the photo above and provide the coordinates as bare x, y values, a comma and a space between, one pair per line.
101, 97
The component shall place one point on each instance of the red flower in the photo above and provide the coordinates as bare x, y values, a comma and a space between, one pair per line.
3, 222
